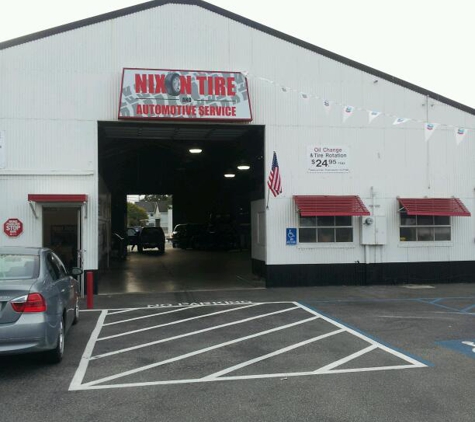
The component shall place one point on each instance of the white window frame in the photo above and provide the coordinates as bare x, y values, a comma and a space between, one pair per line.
423, 226
334, 227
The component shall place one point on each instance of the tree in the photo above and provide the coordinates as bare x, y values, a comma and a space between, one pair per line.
135, 215
163, 199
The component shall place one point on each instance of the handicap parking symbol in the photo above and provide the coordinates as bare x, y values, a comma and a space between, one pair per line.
466, 347
291, 236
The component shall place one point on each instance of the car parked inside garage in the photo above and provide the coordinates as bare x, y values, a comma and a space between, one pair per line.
150, 238
39, 302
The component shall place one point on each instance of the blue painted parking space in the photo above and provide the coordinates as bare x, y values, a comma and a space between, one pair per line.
466, 347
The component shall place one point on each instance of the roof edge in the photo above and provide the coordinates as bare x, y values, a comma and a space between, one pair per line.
90, 21
245, 21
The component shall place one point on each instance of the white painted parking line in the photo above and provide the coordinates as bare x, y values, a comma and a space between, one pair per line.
121, 311
122, 321
180, 321
204, 330
197, 352
225, 374
365, 338
346, 359
86, 357
272, 354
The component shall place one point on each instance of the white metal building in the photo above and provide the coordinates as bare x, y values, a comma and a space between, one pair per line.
362, 201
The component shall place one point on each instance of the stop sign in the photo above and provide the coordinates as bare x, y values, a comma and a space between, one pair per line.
13, 227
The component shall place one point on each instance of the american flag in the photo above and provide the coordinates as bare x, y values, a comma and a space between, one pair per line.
274, 182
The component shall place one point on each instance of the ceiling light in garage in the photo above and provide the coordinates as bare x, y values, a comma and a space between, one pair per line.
196, 150
229, 174
243, 166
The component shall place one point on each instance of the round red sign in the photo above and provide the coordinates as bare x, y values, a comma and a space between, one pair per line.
13, 227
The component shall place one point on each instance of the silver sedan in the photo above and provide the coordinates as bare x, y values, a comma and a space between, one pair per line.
39, 301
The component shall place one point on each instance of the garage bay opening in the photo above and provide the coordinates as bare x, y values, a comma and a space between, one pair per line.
196, 230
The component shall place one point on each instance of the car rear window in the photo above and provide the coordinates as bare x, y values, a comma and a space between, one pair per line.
14, 266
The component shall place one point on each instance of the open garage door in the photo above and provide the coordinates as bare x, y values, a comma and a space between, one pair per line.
208, 190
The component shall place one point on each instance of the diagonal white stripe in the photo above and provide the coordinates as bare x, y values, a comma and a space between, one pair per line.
149, 316
197, 352
140, 346
176, 322
365, 338
121, 311
272, 354
83, 364
346, 359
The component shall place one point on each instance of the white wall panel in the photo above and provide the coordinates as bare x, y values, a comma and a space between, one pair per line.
54, 91
14, 192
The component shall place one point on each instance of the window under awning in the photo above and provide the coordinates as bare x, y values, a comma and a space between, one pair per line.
434, 206
330, 205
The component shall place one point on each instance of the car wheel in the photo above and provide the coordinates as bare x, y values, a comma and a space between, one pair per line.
173, 84
161, 249
56, 355
140, 248
76, 312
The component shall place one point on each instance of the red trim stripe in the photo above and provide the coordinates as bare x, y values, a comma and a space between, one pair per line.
329, 205
435, 206
57, 197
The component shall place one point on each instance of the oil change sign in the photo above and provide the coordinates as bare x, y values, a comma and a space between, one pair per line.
328, 159
184, 94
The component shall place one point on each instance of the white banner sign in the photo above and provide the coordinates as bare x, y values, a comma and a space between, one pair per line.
429, 129
347, 112
184, 94
3, 158
460, 133
328, 159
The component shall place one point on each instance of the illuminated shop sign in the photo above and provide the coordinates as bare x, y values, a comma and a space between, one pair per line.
184, 94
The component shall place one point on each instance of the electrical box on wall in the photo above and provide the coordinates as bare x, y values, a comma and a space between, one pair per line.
374, 230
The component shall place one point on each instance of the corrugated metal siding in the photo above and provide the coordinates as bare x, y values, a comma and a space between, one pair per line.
55, 90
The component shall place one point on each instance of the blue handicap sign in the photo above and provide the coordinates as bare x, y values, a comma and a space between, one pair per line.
291, 236
466, 347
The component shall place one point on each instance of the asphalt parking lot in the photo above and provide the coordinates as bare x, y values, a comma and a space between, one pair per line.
326, 354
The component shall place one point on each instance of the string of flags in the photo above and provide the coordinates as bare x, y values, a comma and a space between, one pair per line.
460, 133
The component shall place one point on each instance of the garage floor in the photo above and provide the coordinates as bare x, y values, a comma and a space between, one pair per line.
179, 270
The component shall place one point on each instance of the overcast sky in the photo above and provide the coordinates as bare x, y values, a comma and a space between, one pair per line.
424, 42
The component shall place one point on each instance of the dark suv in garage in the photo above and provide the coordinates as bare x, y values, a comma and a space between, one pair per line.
184, 235
151, 237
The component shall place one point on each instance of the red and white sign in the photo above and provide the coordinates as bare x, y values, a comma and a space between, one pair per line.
154, 94
13, 227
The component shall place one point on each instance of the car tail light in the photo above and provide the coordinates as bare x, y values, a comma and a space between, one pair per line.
33, 302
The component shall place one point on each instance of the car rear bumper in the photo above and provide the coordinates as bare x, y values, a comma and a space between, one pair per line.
31, 333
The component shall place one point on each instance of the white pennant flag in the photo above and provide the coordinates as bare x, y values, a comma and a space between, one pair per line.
460, 133
327, 106
429, 129
347, 112
373, 115
400, 120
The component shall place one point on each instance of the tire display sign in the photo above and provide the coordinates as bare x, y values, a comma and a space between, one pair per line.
155, 94
13, 227
328, 159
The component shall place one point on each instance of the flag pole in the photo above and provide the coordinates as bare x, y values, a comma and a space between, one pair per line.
268, 197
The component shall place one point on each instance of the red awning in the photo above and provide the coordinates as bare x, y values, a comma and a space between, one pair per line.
57, 197
434, 206
326, 205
